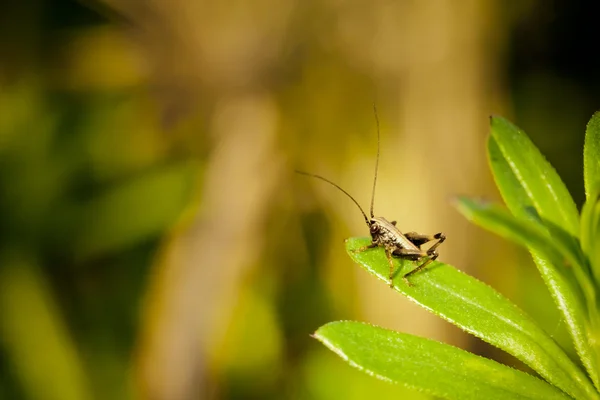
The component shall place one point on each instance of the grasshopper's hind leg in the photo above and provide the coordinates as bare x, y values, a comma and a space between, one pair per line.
419, 239
440, 237
409, 254
430, 258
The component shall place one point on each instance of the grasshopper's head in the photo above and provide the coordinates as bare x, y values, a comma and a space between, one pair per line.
373, 225
374, 229
378, 225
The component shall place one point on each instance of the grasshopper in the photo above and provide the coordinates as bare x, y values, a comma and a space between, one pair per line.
385, 234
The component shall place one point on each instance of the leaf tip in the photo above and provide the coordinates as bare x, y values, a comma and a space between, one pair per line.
462, 203
595, 118
456, 200
494, 119
501, 126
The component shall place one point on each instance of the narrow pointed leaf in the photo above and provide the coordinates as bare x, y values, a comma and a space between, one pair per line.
590, 221
429, 366
519, 198
591, 156
540, 182
549, 254
588, 228
520, 202
480, 310
534, 236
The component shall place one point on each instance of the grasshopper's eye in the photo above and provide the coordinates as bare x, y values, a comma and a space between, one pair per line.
374, 228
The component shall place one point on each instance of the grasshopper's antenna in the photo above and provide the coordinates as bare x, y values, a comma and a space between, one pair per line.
331, 183
376, 161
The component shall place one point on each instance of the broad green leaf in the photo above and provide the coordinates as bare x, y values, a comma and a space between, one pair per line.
326, 377
591, 156
540, 182
429, 366
480, 310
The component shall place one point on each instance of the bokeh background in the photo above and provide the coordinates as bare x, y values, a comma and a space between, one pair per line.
154, 240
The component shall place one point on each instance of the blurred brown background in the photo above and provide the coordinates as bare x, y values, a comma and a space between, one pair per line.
154, 240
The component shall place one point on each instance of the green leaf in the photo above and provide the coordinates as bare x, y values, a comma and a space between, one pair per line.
590, 221
588, 227
534, 237
518, 199
591, 156
547, 255
519, 231
521, 185
34, 333
480, 310
540, 185
429, 366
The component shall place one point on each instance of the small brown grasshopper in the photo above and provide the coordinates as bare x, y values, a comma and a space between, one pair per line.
385, 234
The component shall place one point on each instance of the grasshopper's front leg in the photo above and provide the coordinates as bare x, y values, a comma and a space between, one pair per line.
388, 255
364, 248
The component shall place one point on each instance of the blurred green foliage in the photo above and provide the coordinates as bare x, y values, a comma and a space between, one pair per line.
82, 210
99, 164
